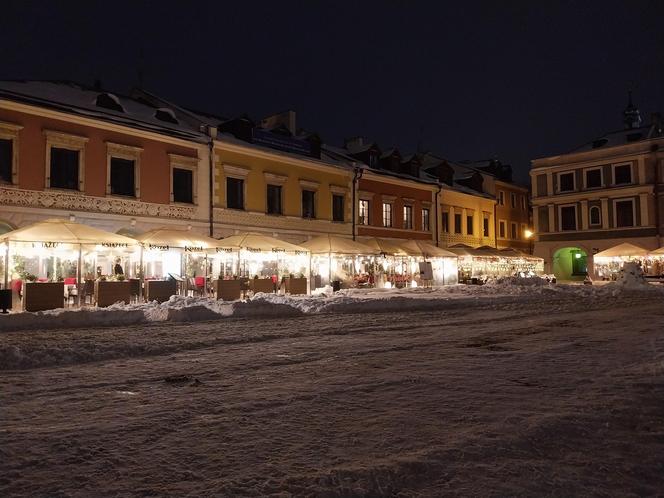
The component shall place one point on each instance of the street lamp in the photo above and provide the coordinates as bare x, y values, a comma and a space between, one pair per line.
529, 236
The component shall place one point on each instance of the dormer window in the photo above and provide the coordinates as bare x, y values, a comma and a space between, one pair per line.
109, 101
166, 115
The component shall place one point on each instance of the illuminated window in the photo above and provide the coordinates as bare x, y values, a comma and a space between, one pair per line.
387, 214
425, 220
408, 217
363, 218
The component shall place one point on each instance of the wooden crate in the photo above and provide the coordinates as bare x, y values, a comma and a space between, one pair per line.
111, 292
296, 285
262, 285
40, 296
160, 290
228, 290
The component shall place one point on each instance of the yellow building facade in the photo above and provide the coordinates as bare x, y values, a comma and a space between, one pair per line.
281, 195
466, 219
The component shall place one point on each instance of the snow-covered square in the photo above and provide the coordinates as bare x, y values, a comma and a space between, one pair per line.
512, 388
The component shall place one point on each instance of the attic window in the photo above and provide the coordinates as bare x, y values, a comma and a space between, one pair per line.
634, 137
599, 143
109, 101
165, 115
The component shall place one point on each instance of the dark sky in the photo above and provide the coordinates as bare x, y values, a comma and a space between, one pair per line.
469, 80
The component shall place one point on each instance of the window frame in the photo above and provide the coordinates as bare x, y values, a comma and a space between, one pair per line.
391, 214
615, 212
560, 218
313, 207
501, 198
631, 173
513, 200
445, 221
10, 131
61, 140
460, 215
267, 198
559, 175
410, 225
486, 227
178, 161
601, 177
514, 230
426, 227
343, 206
129, 153
470, 224
590, 216
244, 191
502, 228
361, 218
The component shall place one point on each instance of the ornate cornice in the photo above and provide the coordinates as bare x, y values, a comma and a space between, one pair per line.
80, 202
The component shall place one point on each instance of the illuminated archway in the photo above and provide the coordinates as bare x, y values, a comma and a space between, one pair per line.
570, 263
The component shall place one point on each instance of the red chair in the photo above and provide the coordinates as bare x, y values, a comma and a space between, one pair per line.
70, 281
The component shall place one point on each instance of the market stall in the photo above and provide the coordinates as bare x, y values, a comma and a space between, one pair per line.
262, 264
335, 258
175, 262
476, 264
656, 259
521, 263
391, 266
609, 262
68, 255
429, 264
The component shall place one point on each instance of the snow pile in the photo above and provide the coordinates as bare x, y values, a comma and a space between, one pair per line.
630, 278
184, 309
533, 281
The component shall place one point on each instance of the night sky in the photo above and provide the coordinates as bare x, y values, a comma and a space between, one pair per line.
467, 80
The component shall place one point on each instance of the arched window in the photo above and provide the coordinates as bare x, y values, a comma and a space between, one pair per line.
595, 216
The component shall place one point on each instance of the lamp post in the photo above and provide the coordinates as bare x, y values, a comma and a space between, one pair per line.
529, 236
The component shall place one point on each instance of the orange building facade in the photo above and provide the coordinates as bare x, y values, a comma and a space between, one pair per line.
90, 149
392, 207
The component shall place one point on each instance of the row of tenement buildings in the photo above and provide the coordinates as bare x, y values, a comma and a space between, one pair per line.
132, 163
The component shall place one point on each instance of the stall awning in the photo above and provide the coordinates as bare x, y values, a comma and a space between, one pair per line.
658, 252
332, 244
425, 249
624, 250
259, 243
387, 247
65, 232
177, 239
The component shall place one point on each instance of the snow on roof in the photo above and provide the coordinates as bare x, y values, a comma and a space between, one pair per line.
76, 99
621, 137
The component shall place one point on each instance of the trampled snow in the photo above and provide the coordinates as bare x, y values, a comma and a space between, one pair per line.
523, 389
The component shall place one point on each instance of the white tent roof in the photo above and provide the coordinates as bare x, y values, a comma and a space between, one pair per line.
66, 232
332, 244
423, 248
658, 252
383, 246
182, 239
622, 250
258, 242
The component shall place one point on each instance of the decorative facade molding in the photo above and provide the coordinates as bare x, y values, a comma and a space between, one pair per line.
338, 189
80, 202
236, 171
246, 220
309, 184
275, 179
